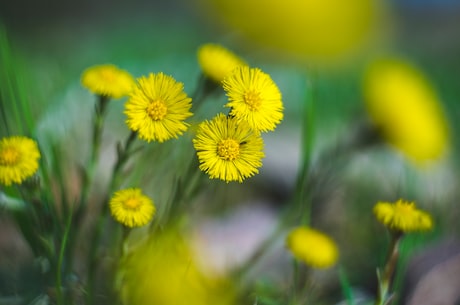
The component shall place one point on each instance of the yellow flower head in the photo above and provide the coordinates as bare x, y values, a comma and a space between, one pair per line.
402, 216
157, 108
162, 270
254, 98
404, 107
131, 208
312, 29
227, 149
107, 80
18, 159
217, 62
312, 247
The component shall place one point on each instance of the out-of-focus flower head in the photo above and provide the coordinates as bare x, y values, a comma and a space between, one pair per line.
312, 247
406, 110
254, 98
131, 208
163, 270
18, 159
217, 62
107, 80
402, 216
158, 107
227, 149
313, 29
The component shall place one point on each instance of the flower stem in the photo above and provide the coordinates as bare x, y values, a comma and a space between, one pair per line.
59, 296
384, 295
123, 153
99, 115
301, 201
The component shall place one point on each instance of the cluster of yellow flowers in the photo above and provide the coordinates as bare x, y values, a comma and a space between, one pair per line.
229, 147
318, 250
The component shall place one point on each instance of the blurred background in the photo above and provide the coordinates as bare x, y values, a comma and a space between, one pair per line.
302, 49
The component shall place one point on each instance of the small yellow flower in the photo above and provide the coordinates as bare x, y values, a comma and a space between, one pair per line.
228, 150
404, 107
217, 62
402, 216
18, 159
157, 108
163, 270
107, 80
254, 98
312, 247
131, 208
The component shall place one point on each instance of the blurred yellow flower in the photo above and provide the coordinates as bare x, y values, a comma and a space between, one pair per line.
162, 270
18, 159
131, 208
227, 149
107, 80
254, 97
157, 108
312, 247
405, 109
402, 216
217, 62
313, 29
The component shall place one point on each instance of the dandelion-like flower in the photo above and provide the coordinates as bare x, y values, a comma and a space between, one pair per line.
402, 216
163, 270
131, 208
107, 80
18, 159
217, 62
254, 98
404, 107
157, 108
227, 149
312, 247
322, 31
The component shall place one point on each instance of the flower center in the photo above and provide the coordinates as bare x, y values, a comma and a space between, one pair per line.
132, 203
252, 99
157, 110
107, 75
9, 156
405, 208
228, 149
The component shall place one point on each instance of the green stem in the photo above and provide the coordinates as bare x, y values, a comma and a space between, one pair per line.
204, 88
302, 200
99, 115
300, 203
59, 295
123, 152
384, 290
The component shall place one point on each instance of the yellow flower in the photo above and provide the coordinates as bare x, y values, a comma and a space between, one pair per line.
228, 150
404, 107
131, 208
162, 270
312, 247
254, 98
402, 216
311, 29
217, 62
18, 159
158, 107
107, 80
